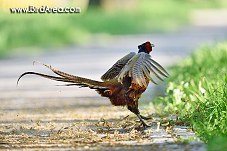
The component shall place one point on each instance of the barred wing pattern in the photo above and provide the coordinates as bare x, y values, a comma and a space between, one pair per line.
140, 67
117, 67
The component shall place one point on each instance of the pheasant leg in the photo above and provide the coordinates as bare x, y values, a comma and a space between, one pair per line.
134, 109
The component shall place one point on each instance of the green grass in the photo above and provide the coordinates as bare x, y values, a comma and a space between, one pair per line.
56, 30
197, 93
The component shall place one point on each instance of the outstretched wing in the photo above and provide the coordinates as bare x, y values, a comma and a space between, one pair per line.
117, 67
140, 67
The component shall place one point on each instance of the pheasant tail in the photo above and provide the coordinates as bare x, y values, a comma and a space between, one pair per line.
70, 79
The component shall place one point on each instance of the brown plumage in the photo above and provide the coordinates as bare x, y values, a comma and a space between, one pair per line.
123, 83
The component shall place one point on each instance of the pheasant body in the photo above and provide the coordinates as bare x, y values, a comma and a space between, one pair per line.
123, 83
122, 94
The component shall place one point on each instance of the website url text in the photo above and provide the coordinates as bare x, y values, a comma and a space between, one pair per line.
44, 9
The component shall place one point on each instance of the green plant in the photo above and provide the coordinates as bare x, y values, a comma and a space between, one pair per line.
197, 92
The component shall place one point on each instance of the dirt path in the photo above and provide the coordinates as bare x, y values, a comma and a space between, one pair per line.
83, 123
38, 115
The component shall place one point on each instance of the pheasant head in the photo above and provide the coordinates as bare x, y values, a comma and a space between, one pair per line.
145, 47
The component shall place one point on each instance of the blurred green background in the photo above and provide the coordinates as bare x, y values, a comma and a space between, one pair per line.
23, 33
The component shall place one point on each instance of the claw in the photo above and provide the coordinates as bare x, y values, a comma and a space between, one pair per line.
145, 125
145, 118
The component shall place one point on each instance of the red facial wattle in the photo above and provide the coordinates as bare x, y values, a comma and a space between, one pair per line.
148, 47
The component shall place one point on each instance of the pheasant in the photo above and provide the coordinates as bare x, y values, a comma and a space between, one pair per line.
123, 83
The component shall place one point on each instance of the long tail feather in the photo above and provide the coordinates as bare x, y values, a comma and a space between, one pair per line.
60, 73
70, 79
42, 75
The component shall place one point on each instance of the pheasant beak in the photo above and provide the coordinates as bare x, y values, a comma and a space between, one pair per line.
152, 45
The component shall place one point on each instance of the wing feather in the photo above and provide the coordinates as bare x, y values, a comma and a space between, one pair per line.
147, 73
159, 71
117, 67
149, 65
138, 72
128, 67
160, 67
140, 67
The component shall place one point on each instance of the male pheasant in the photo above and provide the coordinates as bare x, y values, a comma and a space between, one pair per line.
123, 83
